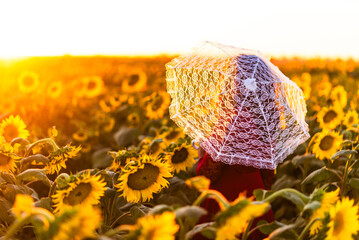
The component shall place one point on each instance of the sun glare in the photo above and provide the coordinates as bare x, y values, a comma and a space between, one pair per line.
44, 28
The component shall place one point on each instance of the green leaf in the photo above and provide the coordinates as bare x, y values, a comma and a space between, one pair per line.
100, 158
261, 194
268, 228
137, 212
10, 190
285, 181
354, 183
5, 207
206, 229
8, 177
37, 158
311, 207
44, 203
190, 214
294, 199
284, 232
298, 160
343, 153
160, 208
318, 175
33, 175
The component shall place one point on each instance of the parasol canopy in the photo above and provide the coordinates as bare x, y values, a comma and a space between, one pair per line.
237, 105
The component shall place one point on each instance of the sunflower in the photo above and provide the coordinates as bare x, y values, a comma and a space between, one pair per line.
152, 146
92, 86
116, 100
54, 90
158, 105
13, 127
172, 135
121, 158
327, 200
327, 144
58, 158
80, 135
80, 190
234, 220
340, 95
7, 106
324, 87
28, 82
85, 148
182, 157
351, 118
343, 220
7, 161
304, 83
105, 105
23, 205
154, 227
77, 223
133, 118
331, 117
355, 100
135, 82
109, 124
139, 180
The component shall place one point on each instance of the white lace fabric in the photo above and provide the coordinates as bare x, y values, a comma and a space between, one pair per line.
239, 106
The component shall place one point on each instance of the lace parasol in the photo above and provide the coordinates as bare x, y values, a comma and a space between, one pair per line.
237, 105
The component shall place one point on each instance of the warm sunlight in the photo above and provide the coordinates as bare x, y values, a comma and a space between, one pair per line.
303, 28
110, 130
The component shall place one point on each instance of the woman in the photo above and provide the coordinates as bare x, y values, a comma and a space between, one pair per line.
232, 179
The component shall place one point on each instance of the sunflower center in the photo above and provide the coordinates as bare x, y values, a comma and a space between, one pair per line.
326, 143
329, 116
28, 81
338, 223
351, 119
10, 132
172, 135
179, 156
157, 103
338, 96
143, 178
78, 194
91, 85
133, 79
4, 160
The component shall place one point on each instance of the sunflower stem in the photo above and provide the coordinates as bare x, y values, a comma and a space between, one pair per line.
48, 140
291, 190
15, 226
123, 215
222, 201
52, 189
258, 227
247, 233
182, 232
345, 175
122, 228
307, 227
311, 142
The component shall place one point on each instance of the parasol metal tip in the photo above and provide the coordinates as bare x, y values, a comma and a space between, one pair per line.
250, 83
194, 144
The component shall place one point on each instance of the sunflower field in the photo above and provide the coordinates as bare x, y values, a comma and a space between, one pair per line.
88, 151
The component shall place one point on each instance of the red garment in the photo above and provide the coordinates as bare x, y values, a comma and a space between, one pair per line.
231, 180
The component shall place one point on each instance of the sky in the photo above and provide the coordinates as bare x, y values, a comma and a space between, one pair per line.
306, 28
